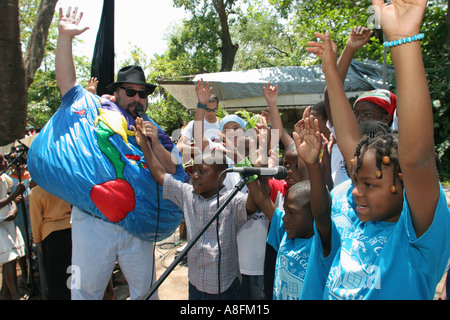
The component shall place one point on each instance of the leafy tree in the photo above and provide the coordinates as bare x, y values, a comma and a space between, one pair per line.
265, 39
217, 14
17, 68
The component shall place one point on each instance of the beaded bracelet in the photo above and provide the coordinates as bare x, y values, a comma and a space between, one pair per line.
202, 106
404, 40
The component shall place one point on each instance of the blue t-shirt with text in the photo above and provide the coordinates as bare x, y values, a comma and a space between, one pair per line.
292, 260
385, 260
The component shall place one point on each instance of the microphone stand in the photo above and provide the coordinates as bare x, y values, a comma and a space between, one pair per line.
191, 243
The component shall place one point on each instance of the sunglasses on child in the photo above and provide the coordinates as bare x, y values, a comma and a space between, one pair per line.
131, 93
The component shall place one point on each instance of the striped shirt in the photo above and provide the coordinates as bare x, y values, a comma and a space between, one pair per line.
203, 256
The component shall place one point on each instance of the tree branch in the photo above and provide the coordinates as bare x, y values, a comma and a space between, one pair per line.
36, 45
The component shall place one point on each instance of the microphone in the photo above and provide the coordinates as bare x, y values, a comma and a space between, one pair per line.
139, 111
278, 173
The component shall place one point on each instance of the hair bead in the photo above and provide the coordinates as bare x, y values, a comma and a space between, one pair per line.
393, 189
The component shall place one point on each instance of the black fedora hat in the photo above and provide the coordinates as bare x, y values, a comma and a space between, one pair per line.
131, 74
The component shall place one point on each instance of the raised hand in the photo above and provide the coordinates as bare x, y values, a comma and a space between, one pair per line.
258, 150
358, 37
203, 92
92, 85
317, 47
140, 134
69, 22
400, 18
309, 141
151, 131
263, 134
271, 94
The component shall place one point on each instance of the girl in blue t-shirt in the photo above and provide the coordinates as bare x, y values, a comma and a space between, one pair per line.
398, 247
304, 230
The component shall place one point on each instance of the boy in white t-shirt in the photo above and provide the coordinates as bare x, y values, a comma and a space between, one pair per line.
210, 124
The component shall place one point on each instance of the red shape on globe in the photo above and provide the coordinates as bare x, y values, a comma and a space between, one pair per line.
114, 198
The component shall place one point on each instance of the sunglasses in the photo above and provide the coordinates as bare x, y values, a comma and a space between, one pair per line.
131, 93
211, 110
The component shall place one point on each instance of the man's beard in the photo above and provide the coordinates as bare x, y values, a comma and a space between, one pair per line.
131, 107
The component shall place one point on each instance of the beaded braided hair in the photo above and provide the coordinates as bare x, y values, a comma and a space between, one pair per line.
371, 129
386, 150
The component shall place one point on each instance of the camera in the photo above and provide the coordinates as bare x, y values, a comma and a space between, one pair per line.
18, 155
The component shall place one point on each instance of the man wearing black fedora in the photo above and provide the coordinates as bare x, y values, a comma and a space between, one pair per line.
98, 244
131, 89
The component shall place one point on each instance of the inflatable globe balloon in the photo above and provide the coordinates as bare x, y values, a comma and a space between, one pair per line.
87, 155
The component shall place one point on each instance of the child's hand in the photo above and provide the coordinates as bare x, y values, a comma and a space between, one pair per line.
92, 85
317, 47
271, 94
263, 137
266, 115
327, 50
203, 92
329, 59
309, 141
400, 18
258, 155
300, 125
328, 143
273, 159
139, 133
359, 37
151, 131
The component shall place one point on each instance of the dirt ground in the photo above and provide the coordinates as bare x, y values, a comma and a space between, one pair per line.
175, 286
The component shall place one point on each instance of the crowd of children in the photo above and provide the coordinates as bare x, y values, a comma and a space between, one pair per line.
384, 231
361, 213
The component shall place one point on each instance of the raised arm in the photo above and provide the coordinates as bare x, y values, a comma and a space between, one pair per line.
271, 94
203, 94
64, 67
416, 151
259, 188
309, 143
358, 37
164, 156
346, 126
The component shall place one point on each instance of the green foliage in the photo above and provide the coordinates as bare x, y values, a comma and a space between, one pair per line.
437, 66
264, 39
221, 112
44, 98
251, 118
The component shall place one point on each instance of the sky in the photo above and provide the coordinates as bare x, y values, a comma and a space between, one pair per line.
140, 23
